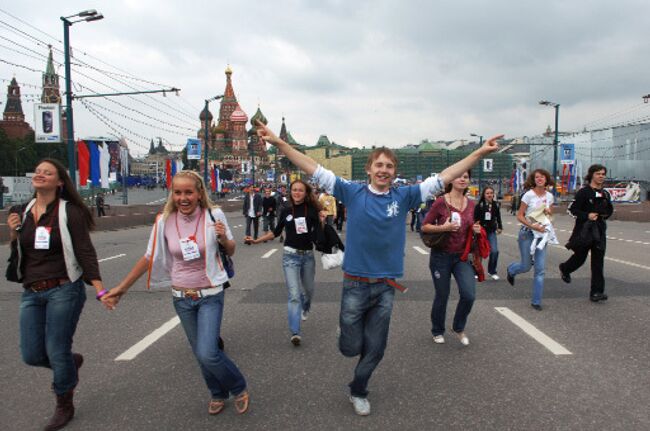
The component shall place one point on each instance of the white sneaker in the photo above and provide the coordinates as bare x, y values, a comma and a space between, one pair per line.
462, 338
495, 277
303, 315
361, 405
439, 339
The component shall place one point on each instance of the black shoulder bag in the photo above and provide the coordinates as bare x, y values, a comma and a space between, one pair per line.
436, 240
228, 264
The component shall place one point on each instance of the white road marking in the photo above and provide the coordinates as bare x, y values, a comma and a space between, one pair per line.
420, 250
147, 341
543, 339
624, 262
269, 253
111, 258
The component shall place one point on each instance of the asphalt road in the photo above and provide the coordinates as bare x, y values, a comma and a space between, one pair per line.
505, 379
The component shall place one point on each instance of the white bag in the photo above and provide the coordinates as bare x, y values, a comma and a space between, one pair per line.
332, 260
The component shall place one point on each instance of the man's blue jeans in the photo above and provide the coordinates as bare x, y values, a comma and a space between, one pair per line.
299, 271
364, 322
524, 240
48, 321
201, 320
494, 253
442, 266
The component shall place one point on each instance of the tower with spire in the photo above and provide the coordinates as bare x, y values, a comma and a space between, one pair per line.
13, 118
51, 90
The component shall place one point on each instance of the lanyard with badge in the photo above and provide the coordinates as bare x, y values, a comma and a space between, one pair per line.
189, 245
43, 234
300, 222
488, 213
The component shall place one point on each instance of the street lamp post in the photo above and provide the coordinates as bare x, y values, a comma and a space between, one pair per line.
87, 15
555, 141
207, 125
480, 168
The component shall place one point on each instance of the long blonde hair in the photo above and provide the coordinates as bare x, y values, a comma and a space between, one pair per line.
204, 202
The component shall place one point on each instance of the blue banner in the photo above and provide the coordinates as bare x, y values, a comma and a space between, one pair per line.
567, 154
193, 149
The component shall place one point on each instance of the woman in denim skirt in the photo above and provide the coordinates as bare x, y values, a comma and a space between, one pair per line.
183, 254
300, 222
56, 256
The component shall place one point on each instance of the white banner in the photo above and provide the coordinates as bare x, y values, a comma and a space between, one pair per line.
47, 122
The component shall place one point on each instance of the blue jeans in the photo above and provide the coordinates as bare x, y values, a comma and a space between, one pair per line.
442, 266
299, 272
48, 321
494, 253
525, 239
201, 320
364, 322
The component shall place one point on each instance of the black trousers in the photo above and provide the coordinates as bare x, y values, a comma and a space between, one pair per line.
597, 263
256, 226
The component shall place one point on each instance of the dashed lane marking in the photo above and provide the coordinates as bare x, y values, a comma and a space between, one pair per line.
543, 339
420, 250
269, 253
117, 256
147, 341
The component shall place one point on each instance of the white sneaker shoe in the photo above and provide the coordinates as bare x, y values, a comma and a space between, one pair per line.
303, 315
462, 338
361, 405
495, 277
439, 339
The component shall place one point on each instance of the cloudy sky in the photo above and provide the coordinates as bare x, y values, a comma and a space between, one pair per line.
382, 72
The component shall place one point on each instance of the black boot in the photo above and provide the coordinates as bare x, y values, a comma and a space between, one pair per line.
63, 413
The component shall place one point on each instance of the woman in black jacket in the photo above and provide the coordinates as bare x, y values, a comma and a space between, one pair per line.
488, 214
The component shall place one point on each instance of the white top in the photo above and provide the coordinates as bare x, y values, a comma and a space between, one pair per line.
535, 202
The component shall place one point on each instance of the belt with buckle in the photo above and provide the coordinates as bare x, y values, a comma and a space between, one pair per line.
296, 251
388, 281
43, 285
196, 293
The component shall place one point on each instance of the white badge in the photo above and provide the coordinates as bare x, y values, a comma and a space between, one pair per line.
289, 217
488, 216
455, 217
599, 195
190, 249
301, 225
42, 238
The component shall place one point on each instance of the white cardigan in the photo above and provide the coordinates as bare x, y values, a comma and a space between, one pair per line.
160, 260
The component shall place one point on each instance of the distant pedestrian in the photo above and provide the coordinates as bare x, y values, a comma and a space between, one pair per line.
328, 203
99, 203
252, 211
591, 207
536, 199
340, 215
300, 222
183, 255
488, 214
374, 248
51, 235
269, 206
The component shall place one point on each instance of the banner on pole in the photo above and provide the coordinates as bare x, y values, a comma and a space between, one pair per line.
47, 122
193, 149
568, 154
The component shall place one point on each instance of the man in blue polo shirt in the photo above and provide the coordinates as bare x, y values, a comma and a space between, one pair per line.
374, 248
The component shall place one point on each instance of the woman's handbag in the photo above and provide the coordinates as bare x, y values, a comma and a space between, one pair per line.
228, 264
332, 260
437, 240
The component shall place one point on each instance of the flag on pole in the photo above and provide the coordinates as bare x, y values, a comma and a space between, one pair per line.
104, 162
168, 173
94, 163
179, 165
84, 162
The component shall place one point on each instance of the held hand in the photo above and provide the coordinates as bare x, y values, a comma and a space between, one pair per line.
110, 299
450, 227
220, 229
13, 221
322, 215
593, 216
491, 145
249, 240
547, 211
265, 134
476, 227
538, 227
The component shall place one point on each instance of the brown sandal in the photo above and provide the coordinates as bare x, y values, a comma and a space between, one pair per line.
216, 406
241, 403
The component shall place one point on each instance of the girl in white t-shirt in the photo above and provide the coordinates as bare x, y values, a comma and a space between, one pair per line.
535, 199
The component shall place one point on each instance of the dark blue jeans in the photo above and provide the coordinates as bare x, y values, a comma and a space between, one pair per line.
494, 253
364, 321
442, 266
201, 320
48, 321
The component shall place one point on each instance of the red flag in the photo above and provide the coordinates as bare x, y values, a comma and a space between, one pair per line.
168, 173
84, 162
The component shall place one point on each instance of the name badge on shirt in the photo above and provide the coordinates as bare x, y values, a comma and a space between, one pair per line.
301, 225
455, 217
599, 195
42, 238
488, 216
189, 248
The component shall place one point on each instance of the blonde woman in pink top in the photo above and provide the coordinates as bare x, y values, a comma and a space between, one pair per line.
183, 254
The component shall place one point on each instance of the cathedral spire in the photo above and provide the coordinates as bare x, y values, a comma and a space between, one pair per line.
51, 92
229, 93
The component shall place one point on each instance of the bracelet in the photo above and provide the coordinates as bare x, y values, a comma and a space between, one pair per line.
100, 294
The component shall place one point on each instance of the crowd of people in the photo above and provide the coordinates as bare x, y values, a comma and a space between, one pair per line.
191, 242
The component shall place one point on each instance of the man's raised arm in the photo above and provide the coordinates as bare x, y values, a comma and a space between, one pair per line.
457, 169
304, 162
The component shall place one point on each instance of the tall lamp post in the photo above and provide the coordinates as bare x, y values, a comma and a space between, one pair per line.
86, 15
207, 125
480, 168
555, 141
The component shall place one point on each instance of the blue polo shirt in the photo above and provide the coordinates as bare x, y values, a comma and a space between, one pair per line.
376, 232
